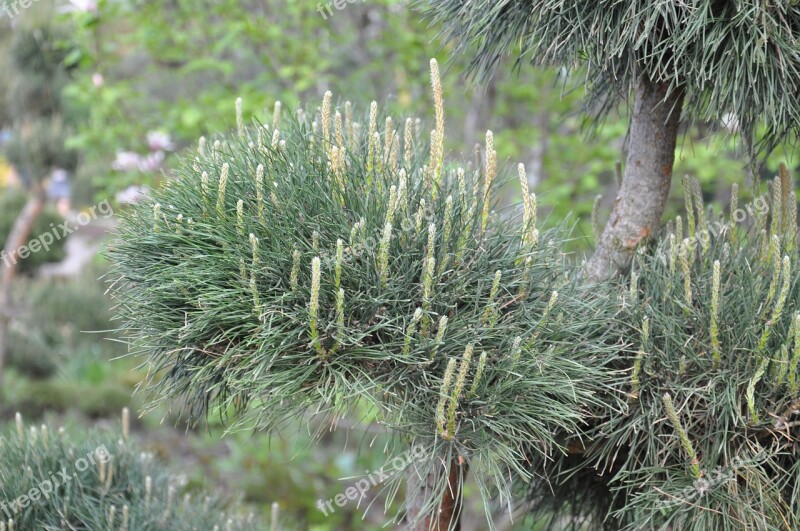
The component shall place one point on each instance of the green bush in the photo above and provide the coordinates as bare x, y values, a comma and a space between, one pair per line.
12, 202
78, 304
30, 355
709, 437
95, 401
52, 479
63, 320
303, 266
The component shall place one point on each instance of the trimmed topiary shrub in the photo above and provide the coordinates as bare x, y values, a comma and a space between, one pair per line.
98, 480
11, 204
709, 438
309, 264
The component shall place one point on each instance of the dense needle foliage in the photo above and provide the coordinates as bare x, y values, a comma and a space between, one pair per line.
740, 57
709, 439
309, 264
99, 480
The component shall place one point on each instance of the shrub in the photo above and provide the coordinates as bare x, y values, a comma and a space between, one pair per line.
97, 400
30, 355
98, 480
63, 318
78, 305
306, 265
11, 204
709, 438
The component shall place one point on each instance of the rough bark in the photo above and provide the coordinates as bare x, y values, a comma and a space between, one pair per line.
448, 512
641, 200
18, 237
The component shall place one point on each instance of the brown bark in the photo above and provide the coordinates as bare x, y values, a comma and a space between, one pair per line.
447, 515
645, 185
18, 237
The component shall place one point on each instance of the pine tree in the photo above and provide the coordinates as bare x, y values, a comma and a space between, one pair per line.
60, 479
700, 60
311, 264
37, 76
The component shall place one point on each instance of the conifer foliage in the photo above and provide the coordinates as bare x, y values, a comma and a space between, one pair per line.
51, 480
709, 437
312, 263
698, 60
739, 57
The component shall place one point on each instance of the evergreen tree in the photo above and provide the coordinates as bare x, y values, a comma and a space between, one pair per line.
699, 60
310, 265
302, 267
35, 110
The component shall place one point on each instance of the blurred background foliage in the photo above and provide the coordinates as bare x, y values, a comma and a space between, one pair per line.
178, 66
149, 77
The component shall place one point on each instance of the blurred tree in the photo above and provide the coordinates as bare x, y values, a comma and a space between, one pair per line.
703, 59
36, 76
5, 34
178, 66
12, 202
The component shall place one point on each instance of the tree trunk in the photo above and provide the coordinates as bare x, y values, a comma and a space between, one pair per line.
448, 513
18, 237
641, 200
